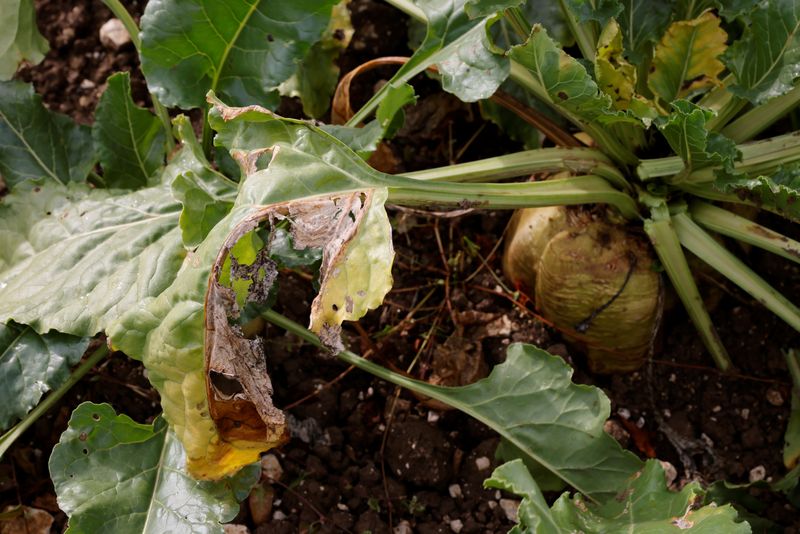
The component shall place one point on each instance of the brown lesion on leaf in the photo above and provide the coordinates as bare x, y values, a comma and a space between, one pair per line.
237, 384
238, 387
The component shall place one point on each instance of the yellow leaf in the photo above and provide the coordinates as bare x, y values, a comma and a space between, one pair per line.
686, 58
615, 76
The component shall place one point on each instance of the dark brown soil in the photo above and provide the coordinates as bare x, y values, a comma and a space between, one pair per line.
366, 456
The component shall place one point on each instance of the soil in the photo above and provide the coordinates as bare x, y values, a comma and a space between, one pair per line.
368, 457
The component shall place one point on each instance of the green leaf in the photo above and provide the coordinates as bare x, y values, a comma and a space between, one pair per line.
318, 73
732, 9
207, 196
642, 23
531, 402
566, 81
37, 143
242, 49
485, 8
779, 192
20, 39
72, 258
686, 58
546, 480
690, 9
534, 514
390, 114
112, 474
253, 133
600, 11
766, 60
129, 140
685, 130
447, 26
32, 364
644, 504
473, 71
364, 140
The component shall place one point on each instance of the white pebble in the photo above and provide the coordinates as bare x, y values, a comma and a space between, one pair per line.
483, 463
113, 34
511, 508
758, 473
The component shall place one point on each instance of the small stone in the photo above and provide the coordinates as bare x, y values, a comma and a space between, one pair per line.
235, 529
624, 413
670, 473
616, 431
745, 413
404, 527
455, 491
716, 409
277, 515
511, 509
757, 473
87, 84
456, 525
774, 397
271, 468
433, 416
483, 463
113, 34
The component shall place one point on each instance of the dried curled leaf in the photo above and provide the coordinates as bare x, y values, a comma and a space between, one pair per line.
237, 384
354, 235
356, 268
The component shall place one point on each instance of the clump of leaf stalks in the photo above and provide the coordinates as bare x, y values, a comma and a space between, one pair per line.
175, 254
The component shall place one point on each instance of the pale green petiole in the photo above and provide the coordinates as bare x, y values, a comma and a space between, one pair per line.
759, 157
575, 160
760, 117
566, 191
8, 439
793, 363
707, 249
732, 225
668, 247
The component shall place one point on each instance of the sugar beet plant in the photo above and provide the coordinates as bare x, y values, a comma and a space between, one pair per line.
172, 245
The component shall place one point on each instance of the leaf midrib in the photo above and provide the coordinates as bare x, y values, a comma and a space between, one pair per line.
164, 447
30, 149
127, 99
789, 38
229, 45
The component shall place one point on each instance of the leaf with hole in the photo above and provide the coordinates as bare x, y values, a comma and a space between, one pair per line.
112, 474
